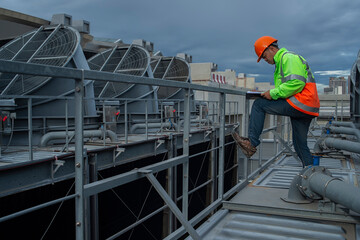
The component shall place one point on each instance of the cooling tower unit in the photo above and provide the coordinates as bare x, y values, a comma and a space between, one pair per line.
131, 60
172, 68
55, 46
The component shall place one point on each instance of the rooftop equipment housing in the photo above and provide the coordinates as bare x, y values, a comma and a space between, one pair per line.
55, 46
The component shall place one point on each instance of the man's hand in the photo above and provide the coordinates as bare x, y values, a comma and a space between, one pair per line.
266, 95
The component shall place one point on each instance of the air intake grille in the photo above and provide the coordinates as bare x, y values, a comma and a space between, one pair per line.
49, 46
132, 60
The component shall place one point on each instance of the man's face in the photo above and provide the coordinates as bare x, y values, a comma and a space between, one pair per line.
268, 55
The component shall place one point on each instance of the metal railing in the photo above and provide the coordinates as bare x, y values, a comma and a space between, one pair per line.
219, 129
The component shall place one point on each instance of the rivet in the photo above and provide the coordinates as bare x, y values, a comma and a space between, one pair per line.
78, 224
77, 165
305, 177
77, 89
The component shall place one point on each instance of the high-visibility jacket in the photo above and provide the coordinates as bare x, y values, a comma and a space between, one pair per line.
295, 82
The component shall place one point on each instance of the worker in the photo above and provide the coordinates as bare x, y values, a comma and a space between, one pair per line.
295, 95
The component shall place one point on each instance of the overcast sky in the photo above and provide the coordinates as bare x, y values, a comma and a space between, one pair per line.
325, 32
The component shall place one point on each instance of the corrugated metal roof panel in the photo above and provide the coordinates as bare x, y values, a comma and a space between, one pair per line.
236, 225
331, 163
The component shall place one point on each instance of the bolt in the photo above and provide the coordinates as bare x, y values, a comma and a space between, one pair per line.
323, 169
78, 224
305, 177
77, 89
77, 165
304, 188
185, 139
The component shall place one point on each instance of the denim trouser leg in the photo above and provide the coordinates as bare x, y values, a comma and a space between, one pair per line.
300, 124
300, 128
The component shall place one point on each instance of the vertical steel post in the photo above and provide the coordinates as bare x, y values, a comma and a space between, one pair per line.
31, 154
67, 125
94, 214
222, 145
126, 121
212, 170
104, 124
186, 140
168, 215
146, 120
79, 158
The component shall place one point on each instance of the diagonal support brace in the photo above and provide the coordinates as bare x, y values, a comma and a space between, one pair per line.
173, 206
286, 145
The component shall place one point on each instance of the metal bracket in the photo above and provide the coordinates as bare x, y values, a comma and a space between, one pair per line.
144, 171
119, 151
159, 142
58, 164
207, 133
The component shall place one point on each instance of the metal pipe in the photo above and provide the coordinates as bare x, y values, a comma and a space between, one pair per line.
346, 130
151, 125
89, 133
342, 145
335, 190
344, 124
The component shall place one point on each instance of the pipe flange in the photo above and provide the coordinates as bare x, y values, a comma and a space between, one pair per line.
305, 175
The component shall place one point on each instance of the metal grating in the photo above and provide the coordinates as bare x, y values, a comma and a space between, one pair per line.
170, 68
330, 163
53, 46
236, 225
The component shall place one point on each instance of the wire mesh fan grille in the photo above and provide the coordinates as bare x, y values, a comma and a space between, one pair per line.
131, 60
172, 69
52, 46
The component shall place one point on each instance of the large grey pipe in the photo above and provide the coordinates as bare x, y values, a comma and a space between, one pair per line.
335, 190
344, 124
87, 134
152, 125
342, 145
346, 130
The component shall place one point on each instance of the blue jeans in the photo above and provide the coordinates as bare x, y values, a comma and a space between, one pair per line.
300, 123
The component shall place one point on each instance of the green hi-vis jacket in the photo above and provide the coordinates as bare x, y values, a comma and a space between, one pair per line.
295, 82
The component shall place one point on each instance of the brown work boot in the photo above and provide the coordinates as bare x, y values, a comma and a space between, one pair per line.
244, 144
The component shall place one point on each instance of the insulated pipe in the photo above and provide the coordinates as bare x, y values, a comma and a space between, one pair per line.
87, 134
151, 125
335, 190
344, 124
346, 130
342, 145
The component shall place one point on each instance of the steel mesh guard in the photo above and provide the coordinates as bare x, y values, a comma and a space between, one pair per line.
131, 60
53, 46
170, 68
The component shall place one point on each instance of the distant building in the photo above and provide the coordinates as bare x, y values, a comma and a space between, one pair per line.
263, 86
338, 84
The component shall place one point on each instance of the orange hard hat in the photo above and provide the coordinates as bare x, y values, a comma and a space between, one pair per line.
263, 43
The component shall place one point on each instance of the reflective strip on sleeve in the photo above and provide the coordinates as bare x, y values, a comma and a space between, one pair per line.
293, 76
309, 78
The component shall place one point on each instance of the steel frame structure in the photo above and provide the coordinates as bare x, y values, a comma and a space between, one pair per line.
84, 191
